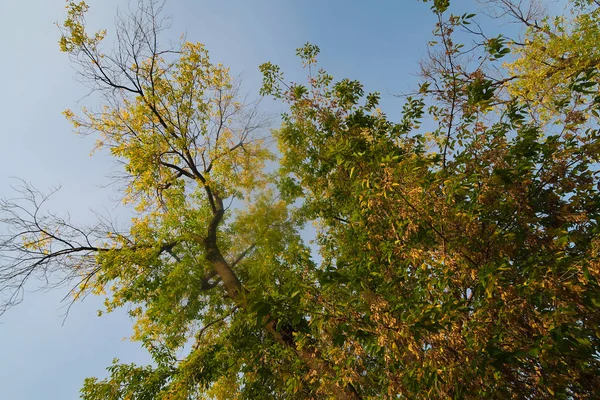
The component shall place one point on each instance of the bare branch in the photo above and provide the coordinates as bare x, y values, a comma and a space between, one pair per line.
36, 245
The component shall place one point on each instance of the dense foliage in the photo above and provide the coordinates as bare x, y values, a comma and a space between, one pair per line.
460, 259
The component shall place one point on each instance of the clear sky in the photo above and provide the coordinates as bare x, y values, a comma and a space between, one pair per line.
378, 42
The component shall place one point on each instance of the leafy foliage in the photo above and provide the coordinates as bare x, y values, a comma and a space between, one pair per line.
470, 271
457, 262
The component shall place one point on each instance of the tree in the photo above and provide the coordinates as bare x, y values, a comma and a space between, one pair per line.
461, 262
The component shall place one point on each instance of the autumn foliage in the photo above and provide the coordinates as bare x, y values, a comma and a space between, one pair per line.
457, 251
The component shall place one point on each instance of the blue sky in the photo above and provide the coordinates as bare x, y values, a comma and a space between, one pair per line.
378, 42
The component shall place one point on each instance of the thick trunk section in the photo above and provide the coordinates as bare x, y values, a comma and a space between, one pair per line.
234, 289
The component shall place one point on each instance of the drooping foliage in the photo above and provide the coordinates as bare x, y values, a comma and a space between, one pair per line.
458, 246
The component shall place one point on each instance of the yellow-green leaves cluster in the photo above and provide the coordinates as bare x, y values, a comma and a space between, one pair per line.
74, 37
555, 53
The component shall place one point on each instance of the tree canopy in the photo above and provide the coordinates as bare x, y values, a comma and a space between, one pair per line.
457, 251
